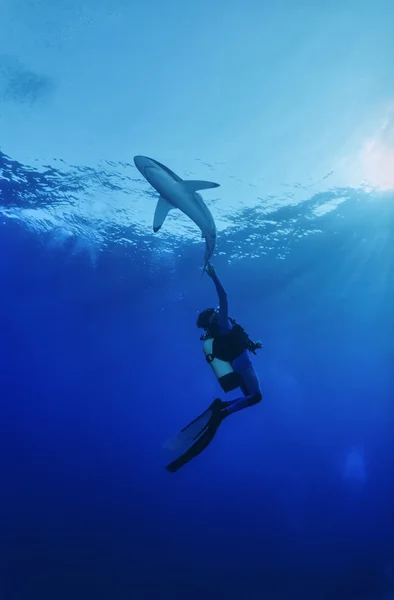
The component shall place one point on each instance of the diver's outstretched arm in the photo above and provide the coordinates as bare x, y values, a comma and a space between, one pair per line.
222, 295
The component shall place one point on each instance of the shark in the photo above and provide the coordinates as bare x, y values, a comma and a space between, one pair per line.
175, 192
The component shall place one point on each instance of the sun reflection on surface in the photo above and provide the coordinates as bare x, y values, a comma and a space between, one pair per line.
376, 157
377, 161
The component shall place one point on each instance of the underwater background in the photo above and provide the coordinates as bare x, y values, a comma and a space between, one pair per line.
290, 107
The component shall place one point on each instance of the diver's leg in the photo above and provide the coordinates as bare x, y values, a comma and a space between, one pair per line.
250, 388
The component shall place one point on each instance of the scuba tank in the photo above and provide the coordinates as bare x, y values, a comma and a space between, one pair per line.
227, 377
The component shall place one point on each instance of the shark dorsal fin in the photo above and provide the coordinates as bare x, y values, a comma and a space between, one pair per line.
162, 209
192, 185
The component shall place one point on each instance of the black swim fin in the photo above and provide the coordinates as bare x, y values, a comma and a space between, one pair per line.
196, 436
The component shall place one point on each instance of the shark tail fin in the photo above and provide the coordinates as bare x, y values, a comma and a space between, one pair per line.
204, 269
205, 265
192, 185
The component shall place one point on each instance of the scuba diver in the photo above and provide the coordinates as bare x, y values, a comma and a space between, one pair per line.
226, 348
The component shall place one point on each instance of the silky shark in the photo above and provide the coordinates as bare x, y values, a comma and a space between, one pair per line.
182, 194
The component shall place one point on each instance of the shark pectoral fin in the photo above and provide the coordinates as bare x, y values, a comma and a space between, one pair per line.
162, 209
192, 185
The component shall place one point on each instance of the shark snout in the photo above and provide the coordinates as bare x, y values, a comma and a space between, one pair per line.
151, 171
142, 163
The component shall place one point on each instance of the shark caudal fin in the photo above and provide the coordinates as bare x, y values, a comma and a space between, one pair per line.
162, 209
205, 267
206, 262
193, 185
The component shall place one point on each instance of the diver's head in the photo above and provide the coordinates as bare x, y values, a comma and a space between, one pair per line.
206, 318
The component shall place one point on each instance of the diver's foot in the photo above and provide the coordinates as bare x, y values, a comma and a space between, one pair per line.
217, 404
217, 407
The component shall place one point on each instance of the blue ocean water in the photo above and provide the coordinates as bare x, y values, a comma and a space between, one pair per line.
289, 107
101, 362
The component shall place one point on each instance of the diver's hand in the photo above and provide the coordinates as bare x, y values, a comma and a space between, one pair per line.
255, 346
210, 270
